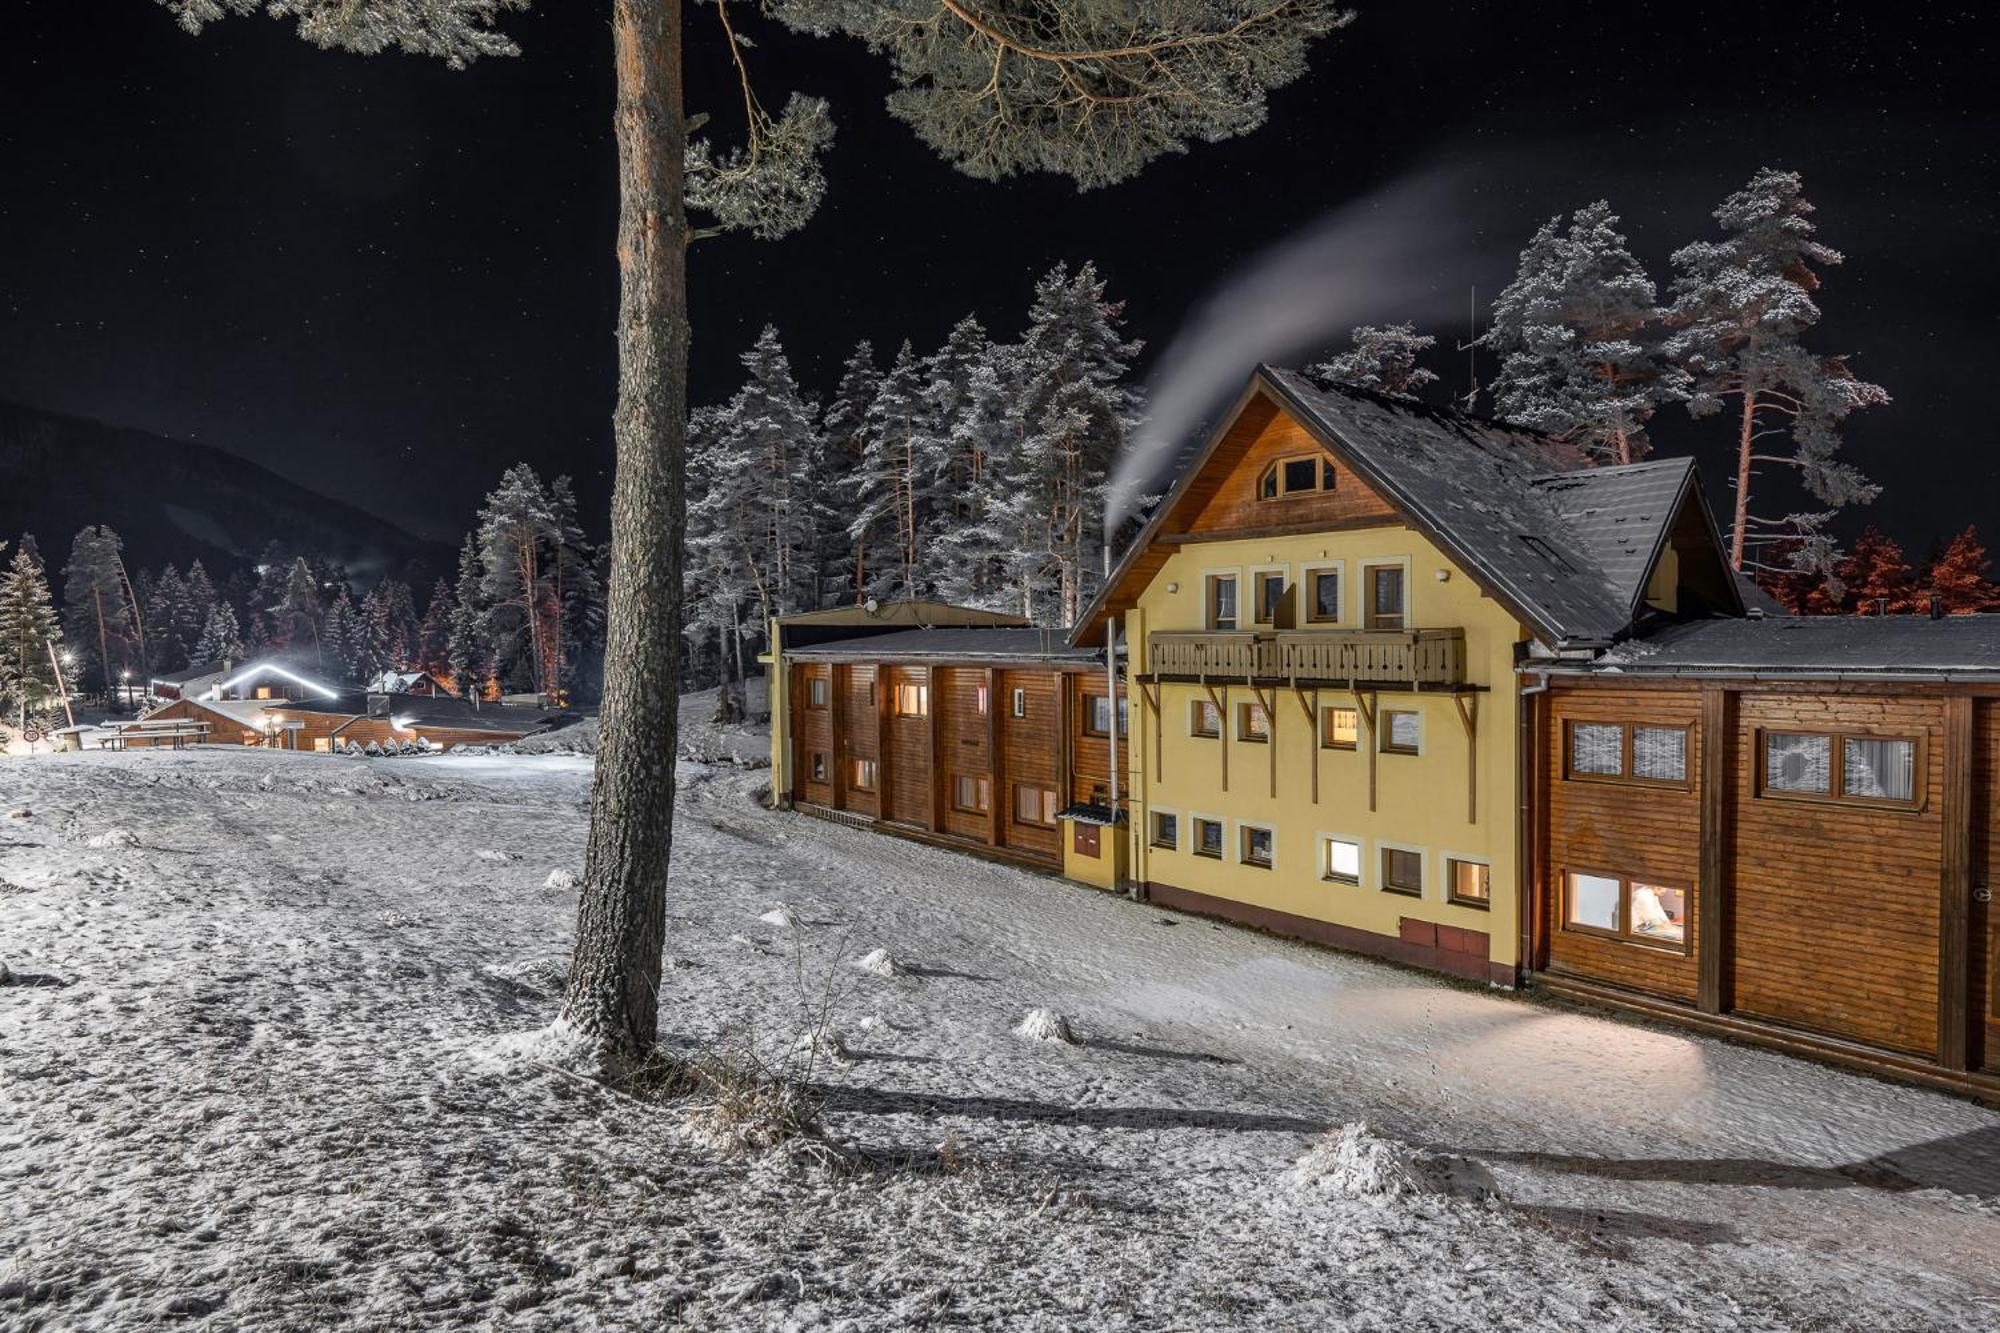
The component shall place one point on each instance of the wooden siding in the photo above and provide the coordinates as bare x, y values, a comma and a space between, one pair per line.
964, 749
1030, 755
1834, 908
812, 734
858, 736
1090, 757
1640, 831
1226, 501
1985, 924
906, 783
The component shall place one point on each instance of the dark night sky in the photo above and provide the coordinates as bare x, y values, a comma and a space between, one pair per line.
389, 280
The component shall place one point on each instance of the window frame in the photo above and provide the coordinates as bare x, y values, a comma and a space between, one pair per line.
1246, 827
1627, 749
1309, 592
1383, 850
1452, 861
1045, 806
874, 771
1326, 713
1196, 711
1326, 875
819, 693
1622, 934
1222, 842
1258, 575
1244, 710
982, 700
982, 786
1017, 703
1153, 817
816, 766
1326, 478
1210, 581
1090, 702
1836, 792
1385, 732
920, 691
1370, 618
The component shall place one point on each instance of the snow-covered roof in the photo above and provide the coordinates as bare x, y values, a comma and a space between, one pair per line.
1950, 648
967, 643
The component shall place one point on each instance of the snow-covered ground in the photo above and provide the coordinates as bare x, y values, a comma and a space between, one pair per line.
251, 1077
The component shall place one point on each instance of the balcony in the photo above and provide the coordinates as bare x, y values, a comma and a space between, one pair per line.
1398, 659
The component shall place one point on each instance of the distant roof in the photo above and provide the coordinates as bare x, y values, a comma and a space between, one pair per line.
426, 710
188, 674
919, 612
964, 643
1950, 648
1565, 547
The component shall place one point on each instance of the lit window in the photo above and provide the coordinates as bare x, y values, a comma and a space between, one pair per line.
1402, 872
1626, 909
1402, 731
1385, 596
1343, 861
1468, 883
1339, 728
971, 794
1597, 748
1208, 837
1166, 830
1019, 704
1204, 719
862, 775
1034, 805
913, 700
1270, 597
1257, 846
1325, 588
1252, 723
818, 767
1222, 601
816, 692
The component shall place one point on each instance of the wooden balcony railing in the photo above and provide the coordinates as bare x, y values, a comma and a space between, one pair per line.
1412, 658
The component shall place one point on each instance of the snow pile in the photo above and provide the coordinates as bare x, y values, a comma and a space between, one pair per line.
780, 916
880, 963
536, 976
489, 854
1047, 1025
113, 837
1354, 1161
562, 877
822, 1045
577, 738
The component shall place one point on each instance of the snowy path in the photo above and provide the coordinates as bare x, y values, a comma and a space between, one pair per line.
243, 1084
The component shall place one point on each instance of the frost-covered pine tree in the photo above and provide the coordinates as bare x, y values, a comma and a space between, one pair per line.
298, 617
759, 477
843, 557
1741, 308
434, 637
471, 652
29, 629
1569, 330
1382, 357
1090, 89
221, 636
97, 611
389, 617
344, 641
515, 527
978, 556
201, 596
720, 586
897, 484
1076, 408
577, 587
167, 614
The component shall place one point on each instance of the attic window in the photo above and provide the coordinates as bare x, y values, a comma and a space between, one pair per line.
1547, 553
1304, 475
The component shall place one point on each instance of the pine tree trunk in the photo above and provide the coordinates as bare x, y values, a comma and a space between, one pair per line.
613, 994
1744, 434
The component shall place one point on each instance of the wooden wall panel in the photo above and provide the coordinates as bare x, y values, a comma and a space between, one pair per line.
1252, 443
814, 733
1836, 907
907, 782
1645, 832
1089, 756
1985, 880
962, 747
855, 686
1029, 754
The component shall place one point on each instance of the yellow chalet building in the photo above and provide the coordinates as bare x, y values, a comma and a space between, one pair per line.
1316, 679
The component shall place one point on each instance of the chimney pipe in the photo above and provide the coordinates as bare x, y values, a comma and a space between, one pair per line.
1937, 607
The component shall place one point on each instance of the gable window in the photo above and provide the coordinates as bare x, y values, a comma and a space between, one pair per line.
1270, 587
1306, 475
1323, 588
1166, 830
818, 766
1208, 837
971, 794
1623, 908
1339, 728
1252, 723
1204, 719
817, 692
861, 774
1018, 705
1341, 861
1097, 716
1879, 770
1403, 872
1402, 731
913, 700
1386, 607
1222, 601
1034, 805
1258, 843
1468, 883
1628, 752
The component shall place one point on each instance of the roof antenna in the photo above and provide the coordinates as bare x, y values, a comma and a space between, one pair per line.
1470, 403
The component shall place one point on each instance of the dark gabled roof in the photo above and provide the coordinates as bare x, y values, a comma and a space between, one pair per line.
427, 710
971, 643
1622, 516
1951, 648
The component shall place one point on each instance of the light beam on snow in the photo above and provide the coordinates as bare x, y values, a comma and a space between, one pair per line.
1406, 252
